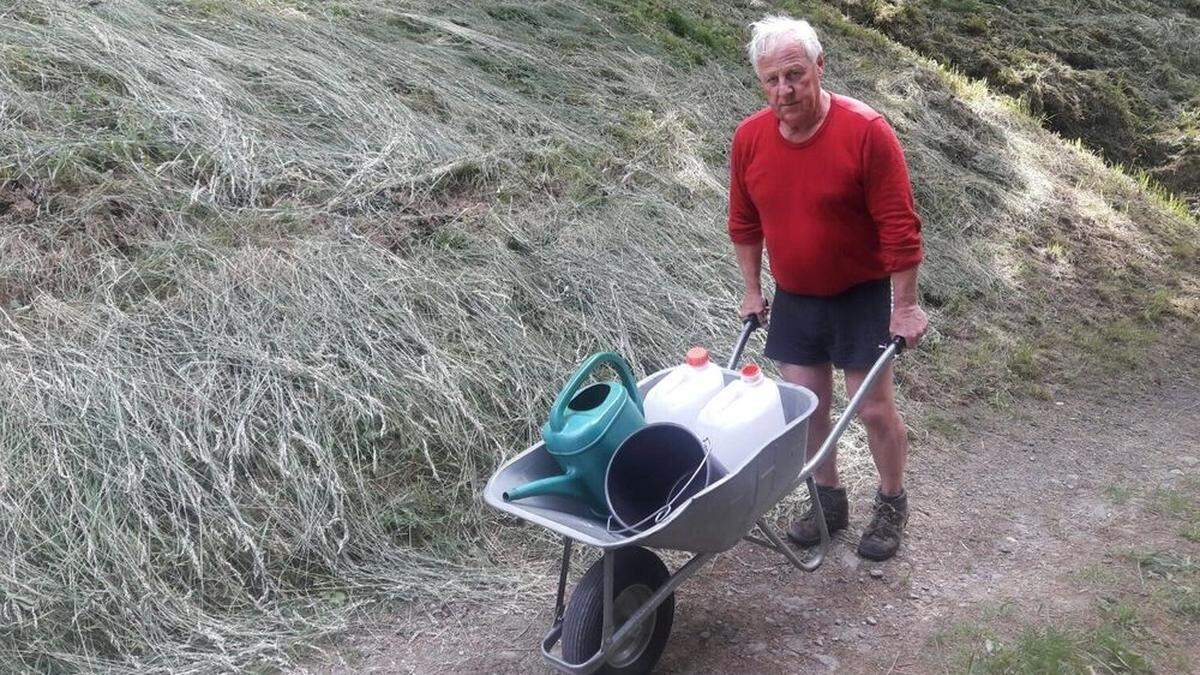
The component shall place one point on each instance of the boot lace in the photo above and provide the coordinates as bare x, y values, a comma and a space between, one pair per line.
886, 521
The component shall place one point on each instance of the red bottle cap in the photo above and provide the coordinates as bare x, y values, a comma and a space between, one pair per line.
751, 372
696, 357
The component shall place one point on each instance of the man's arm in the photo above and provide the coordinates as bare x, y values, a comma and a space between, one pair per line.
890, 201
745, 231
749, 259
909, 321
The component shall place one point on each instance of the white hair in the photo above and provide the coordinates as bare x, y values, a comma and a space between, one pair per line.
772, 32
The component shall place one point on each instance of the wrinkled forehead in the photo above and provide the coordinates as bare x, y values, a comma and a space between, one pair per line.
786, 54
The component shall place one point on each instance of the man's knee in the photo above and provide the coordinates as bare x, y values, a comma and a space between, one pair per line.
878, 414
823, 406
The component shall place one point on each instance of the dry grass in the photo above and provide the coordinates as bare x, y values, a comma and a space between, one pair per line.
282, 282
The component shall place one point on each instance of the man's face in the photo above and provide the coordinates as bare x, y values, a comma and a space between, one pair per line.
792, 83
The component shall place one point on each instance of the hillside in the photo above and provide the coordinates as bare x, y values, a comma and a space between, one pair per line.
1123, 76
283, 281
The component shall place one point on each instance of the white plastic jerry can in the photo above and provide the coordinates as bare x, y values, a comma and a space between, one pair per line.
742, 418
681, 393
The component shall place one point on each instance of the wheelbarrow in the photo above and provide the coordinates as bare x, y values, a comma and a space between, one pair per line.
619, 616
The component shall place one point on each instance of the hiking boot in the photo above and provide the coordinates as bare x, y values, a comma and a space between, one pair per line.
836, 509
882, 537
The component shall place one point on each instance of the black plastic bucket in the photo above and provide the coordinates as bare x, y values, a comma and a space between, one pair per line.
653, 471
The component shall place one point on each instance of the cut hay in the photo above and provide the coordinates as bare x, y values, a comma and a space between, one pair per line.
282, 282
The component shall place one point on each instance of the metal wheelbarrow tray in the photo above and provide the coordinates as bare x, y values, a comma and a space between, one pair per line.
620, 613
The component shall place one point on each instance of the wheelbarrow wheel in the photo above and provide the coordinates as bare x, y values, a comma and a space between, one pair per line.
637, 573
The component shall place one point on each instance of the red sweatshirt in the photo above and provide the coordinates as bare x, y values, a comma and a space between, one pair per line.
836, 210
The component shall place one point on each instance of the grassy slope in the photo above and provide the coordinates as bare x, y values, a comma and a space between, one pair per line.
283, 281
1123, 76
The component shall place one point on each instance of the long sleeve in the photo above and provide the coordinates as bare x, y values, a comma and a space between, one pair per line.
744, 224
889, 198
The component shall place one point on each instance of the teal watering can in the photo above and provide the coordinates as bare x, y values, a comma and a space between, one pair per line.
583, 432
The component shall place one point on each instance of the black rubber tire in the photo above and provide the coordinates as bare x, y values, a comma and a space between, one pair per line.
583, 621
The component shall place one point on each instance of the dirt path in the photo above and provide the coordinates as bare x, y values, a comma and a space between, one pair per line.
1072, 514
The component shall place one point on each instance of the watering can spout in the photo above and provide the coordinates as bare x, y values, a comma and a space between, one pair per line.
566, 485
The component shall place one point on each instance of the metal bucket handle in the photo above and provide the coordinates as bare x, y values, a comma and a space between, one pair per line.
665, 510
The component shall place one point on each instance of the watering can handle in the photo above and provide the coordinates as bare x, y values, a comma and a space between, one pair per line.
595, 360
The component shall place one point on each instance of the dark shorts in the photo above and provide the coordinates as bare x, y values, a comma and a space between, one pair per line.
847, 329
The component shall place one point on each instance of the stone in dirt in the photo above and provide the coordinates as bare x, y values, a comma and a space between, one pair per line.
795, 604
828, 661
877, 573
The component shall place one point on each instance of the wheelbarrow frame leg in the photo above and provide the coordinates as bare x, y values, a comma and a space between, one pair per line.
560, 605
775, 543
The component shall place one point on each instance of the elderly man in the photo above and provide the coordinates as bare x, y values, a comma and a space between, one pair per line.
821, 180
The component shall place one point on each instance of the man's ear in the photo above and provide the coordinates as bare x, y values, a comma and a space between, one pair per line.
820, 64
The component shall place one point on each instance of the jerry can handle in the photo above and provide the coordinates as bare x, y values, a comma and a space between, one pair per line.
595, 360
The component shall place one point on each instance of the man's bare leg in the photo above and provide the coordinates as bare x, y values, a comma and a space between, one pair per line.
886, 433
818, 379
805, 530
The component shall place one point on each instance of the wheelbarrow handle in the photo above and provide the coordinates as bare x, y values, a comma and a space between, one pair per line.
750, 325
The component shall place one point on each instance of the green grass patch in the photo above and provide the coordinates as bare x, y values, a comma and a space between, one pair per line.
515, 14
1038, 650
1109, 648
1187, 603
1158, 305
1097, 575
1115, 345
1023, 363
1172, 502
692, 35
943, 424
1118, 494
1162, 564
1121, 614
1122, 637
